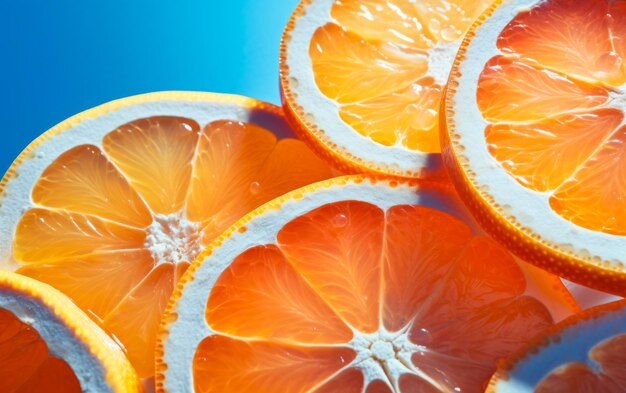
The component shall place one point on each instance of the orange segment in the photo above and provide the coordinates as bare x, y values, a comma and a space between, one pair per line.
260, 296
227, 163
593, 197
53, 376
83, 180
576, 377
511, 91
611, 356
447, 20
411, 384
482, 274
543, 155
467, 375
491, 320
567, 36
348, 381
291, 165
337, 249
25, 364
223, 364
408, 116
135, 320
378, 386
617, 10
156, 154
96, 283
394, 22
347, 69
46, 235
420, 244
511, 323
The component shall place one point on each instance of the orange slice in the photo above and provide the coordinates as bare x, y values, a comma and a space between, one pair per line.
353, 284
112, 205
48, 344
362, 79
535, 133
584, 353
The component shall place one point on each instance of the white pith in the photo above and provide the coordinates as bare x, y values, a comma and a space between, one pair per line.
173, 239
573, 346
62, 342
386, 356
325, 112
16, 198
530, 209
376, 362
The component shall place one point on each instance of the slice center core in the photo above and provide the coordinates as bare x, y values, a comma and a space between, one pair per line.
173, 239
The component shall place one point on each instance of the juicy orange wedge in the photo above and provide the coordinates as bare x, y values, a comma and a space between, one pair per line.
352, 295
25, 362
116, 222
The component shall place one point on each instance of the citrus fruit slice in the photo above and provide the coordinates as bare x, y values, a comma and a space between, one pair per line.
584, 353
534, 133
362, 79
47, 344
110, 206
353, 284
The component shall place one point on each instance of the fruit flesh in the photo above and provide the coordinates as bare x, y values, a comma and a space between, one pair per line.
374, 61
26, 365
578, 377
554, 99
115, 226
406, 291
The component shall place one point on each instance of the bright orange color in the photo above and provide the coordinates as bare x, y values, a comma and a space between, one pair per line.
285, 315
548, 98
116, 226
578, 377
25, 363
374, 62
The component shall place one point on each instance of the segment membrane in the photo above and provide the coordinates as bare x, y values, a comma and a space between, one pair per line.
542, 155
595, 196
96, 283
261, 296
512, 91
46, 235
420, 245
223, 364
83, 180
337, 249
568, 36
155, 154
347, 69
135, 321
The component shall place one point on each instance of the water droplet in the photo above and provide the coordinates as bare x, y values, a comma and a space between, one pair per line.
450, 34
421, 336
255, 187
340, 220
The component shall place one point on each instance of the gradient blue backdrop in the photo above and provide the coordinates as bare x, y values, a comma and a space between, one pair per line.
60, 57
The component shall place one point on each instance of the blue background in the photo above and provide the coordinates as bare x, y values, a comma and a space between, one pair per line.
60, 57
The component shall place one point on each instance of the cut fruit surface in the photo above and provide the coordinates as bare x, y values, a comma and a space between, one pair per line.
354, 285
362, 79
535, 133
48, 344
111, 206
584, 353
